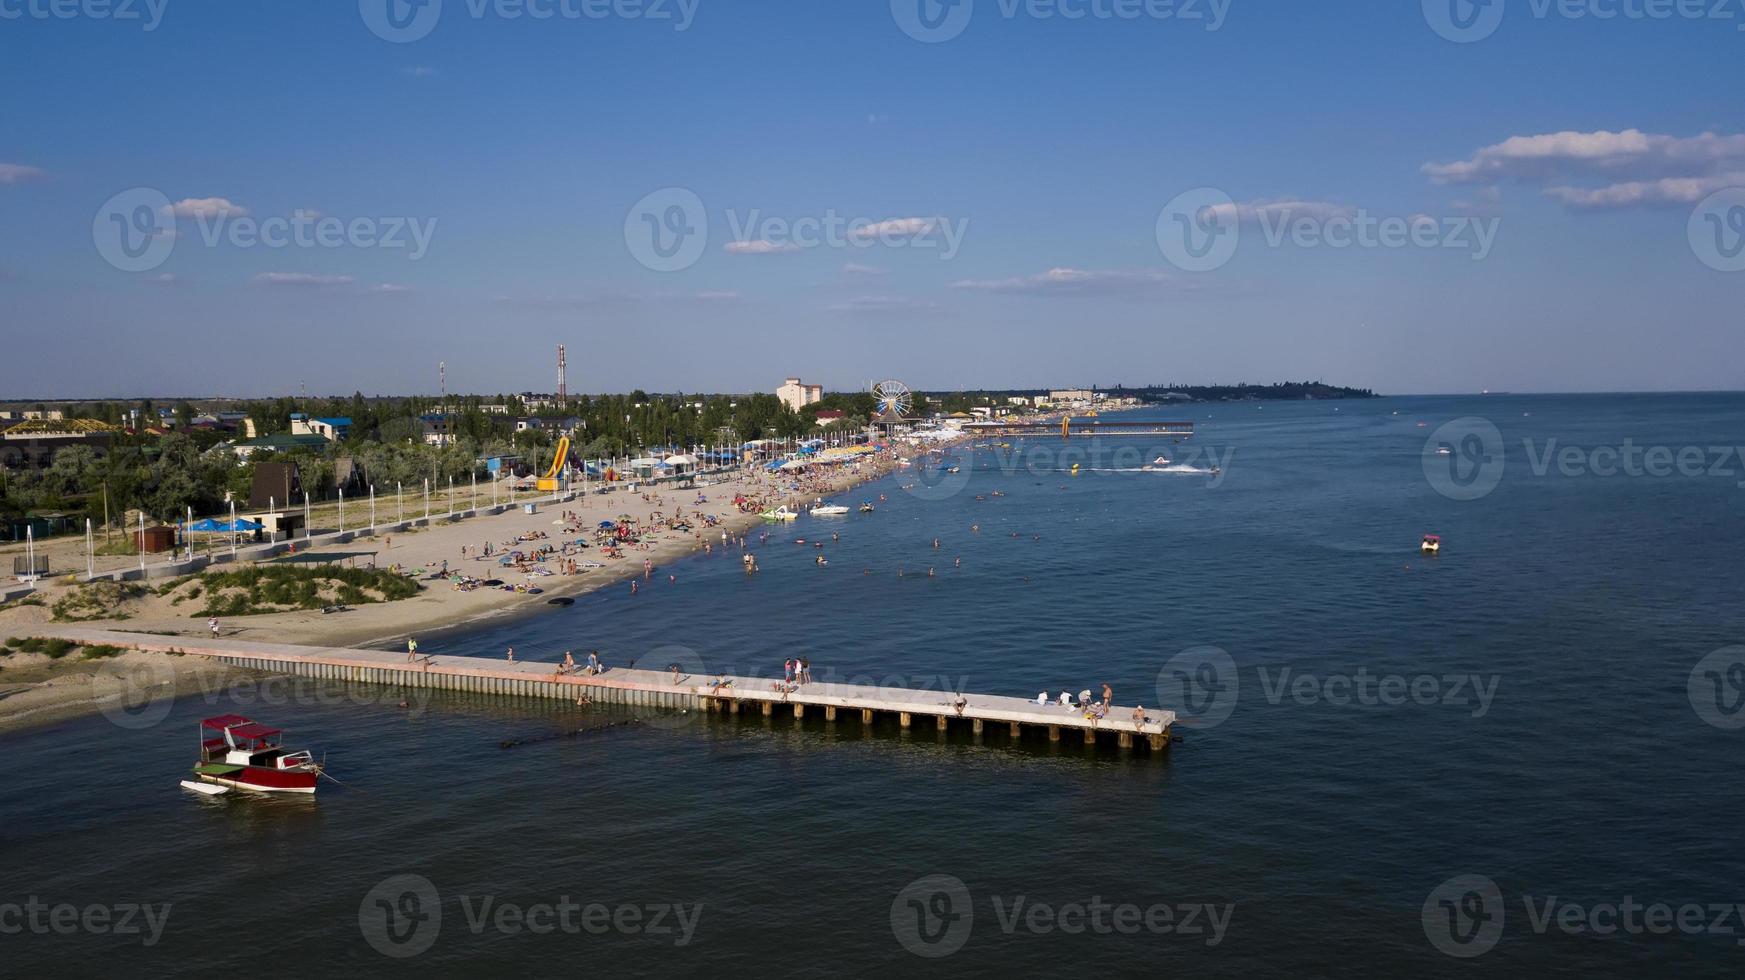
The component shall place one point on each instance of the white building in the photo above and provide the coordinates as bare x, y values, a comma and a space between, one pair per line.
797, 395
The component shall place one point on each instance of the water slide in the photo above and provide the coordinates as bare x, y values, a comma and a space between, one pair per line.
550, 480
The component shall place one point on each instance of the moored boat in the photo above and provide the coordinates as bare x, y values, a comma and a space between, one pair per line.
782, 513
832, 510
246, 755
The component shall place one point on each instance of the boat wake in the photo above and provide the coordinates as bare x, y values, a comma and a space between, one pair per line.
1180, 469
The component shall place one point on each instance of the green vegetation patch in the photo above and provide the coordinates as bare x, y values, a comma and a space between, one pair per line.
284, 588
96, 600
50, 647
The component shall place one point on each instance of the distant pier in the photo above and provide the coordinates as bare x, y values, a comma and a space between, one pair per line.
1076, 426
724, 693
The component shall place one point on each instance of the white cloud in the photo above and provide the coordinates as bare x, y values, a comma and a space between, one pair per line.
390, 287
760, 247
1278, 211
418, 71
719, 296
896, 228
1667, 191
18, 173
206, 207
858, 269
1066, 281
165, 279
301, 279
1625, 169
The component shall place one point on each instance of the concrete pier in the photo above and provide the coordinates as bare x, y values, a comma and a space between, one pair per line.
644, 688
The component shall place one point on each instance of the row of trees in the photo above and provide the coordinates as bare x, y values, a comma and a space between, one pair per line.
195, 467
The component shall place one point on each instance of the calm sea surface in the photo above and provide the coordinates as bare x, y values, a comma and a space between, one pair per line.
1361, 725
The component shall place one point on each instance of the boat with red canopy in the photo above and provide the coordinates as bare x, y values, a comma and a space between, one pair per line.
240, 753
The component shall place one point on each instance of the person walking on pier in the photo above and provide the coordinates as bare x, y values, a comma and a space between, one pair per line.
594, 662
511, 654
1108, 696
411, 649
212, 624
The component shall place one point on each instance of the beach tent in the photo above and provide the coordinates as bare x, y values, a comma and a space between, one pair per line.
210, 526
793, 464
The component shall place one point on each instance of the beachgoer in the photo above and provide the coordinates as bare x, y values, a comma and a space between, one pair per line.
212, 624
511, 654
411, 649
1065, 699
1139, 717
1108, 695
1085, 697
1042, 698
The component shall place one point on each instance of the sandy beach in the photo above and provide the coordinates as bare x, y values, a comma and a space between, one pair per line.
35, 690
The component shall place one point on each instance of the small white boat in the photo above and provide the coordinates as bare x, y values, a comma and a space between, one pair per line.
834, 510
1160, 461
205, 789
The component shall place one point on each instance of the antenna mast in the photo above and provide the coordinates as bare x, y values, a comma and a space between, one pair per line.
562, 380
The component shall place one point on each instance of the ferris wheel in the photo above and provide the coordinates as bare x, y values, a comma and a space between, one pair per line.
894, 398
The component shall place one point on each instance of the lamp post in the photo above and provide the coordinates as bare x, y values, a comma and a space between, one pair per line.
451, 496
399, 502
427, 501
372, 508
142, 542
342, 510
305, 515
90, 553
233, 529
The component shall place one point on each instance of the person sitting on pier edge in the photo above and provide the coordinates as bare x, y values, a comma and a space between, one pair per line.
1065, 699
1042, 698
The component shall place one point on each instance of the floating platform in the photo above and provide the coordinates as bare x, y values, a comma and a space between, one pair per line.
725, 693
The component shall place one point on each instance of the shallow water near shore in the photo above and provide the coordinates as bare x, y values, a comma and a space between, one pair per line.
1519, 707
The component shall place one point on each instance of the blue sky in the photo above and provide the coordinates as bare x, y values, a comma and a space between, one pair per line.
1001, 194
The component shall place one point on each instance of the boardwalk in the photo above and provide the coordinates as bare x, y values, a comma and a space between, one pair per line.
725, 693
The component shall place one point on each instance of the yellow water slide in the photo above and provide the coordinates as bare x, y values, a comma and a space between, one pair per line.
550, 480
